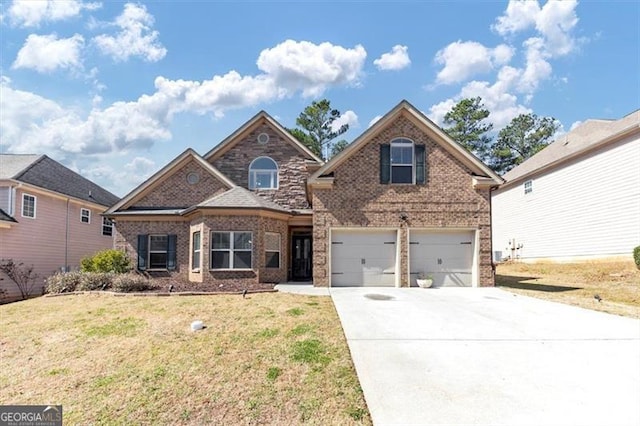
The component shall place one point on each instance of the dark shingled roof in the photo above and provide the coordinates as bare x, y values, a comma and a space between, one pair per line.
49, 174
4, 216
241, 198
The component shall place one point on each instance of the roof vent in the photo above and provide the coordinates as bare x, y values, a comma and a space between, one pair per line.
263, 138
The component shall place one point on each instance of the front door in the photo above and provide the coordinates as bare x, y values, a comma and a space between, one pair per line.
301, 257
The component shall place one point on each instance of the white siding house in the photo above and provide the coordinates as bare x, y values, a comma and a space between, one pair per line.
579, 198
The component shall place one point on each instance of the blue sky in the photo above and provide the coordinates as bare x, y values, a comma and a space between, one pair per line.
115, 90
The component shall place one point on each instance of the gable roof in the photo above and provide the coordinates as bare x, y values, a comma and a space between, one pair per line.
166, 171
6, 217
239, 198
255, 121
583, 139
43, 172
407, 110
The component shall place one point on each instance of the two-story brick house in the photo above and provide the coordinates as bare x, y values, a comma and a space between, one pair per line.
402, 199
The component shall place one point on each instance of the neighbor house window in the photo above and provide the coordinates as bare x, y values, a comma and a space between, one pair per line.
28, 206
272, 250
402, 162
85, 215
263, 174
231, 250
157, 252
195, 250
107, 227
528, 187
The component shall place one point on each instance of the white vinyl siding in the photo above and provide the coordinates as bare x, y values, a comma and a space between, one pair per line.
587, 208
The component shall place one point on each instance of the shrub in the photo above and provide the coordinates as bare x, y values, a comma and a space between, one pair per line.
21, 274
95, 281
64, 282
636, 256
106, 261
126, 283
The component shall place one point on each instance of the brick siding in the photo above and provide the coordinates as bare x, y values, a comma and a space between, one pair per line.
357, 199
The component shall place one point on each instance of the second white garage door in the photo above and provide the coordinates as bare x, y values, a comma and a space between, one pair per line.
445, 255
363, 258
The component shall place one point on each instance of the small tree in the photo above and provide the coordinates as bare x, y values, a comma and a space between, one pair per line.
106, 261
22, 275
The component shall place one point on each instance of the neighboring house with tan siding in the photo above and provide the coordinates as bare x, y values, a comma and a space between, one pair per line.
577, 199
402, 199
51, 216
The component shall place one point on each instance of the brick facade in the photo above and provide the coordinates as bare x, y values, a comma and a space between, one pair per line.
292, 167
175, 191
357, 199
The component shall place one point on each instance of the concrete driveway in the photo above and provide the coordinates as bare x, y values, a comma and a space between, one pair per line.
487, 357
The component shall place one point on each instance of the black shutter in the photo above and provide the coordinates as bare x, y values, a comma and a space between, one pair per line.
421, 164
143, 242
171, 252
385, 163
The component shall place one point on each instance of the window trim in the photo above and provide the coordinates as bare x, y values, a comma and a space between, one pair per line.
279, 251
405, 142
107, 225
82, 216
528, 189
166, 252
35, 200
231, 250
194, 250
275, 174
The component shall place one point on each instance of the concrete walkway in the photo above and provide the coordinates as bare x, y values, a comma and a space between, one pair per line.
302, 288
488, 357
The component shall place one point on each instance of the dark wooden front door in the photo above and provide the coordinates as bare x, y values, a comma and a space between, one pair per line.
301, 257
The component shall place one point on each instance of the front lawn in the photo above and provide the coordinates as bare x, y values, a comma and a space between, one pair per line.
268, 359
616, 284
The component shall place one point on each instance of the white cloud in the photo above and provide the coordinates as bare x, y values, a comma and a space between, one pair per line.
519, 16
575, 124
135, 38
395, 60
31, 123
536, 69
348, 117
47, 53
119, 180
312, 67
461, 60
30, 13
374, 120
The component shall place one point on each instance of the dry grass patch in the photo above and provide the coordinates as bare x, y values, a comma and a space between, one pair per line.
617, 284
267, 359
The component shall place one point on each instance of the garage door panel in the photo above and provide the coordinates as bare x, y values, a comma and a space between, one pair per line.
446, 256
363, 258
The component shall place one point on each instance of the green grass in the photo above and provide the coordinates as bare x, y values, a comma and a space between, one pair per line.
134, 360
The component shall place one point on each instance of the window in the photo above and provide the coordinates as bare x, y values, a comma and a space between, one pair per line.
107, 227
263, 174
528, 187
85, 215
195, 251
272, 250
28, 206
157, 252
402, 162
231, 250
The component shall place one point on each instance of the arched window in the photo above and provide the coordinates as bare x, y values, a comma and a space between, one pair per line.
263, 174
403, 162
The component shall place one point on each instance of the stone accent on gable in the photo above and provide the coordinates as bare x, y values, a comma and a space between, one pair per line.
292, 175
176, 192
357, 199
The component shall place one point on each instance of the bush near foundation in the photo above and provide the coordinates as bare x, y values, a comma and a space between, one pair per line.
636, 256
115, 261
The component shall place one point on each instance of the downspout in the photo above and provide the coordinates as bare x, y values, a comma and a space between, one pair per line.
66, 240
493, 264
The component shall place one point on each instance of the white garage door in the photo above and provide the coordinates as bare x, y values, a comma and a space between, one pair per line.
446, 256
363, 258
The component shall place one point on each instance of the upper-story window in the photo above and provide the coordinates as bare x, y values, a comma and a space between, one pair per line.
263, 174
28, 206
402, 162
85, 215
528, 187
